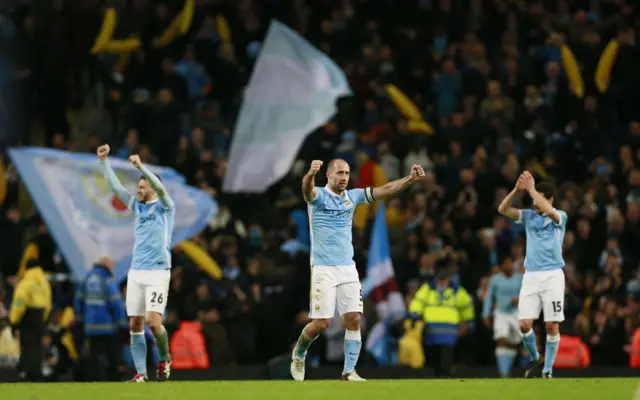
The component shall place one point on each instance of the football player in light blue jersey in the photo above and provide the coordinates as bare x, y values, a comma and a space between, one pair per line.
334, 278
503, 292
543, 282
150, 273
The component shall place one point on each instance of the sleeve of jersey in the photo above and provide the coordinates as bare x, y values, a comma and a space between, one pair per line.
524, 215
362, 196
563, 219
319, 195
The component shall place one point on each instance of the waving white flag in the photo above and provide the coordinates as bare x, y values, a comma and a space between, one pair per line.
292, 91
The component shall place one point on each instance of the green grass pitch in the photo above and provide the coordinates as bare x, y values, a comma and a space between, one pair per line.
467, 389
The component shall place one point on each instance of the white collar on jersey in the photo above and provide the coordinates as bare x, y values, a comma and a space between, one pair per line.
331, 192
151, 202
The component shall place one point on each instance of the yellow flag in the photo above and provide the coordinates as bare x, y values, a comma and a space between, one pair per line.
605, 65
576, 84
106, 31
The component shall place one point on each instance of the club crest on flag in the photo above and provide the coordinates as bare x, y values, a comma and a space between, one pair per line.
97, 189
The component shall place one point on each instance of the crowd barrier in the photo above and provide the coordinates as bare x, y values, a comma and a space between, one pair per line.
333, 373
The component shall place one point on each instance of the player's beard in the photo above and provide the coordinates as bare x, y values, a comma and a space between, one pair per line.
340, 187
144, 197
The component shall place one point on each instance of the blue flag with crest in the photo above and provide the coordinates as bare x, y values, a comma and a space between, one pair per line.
85, 219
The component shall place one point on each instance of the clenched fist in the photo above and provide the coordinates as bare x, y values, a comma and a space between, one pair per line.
103, 151
135, 160
315, 166
417, 172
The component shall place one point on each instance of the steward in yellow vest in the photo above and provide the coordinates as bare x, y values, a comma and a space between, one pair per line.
29, 312
448, 312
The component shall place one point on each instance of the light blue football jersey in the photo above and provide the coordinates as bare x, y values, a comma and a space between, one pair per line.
544, 241
153, 225
153, 231
502, 289
331, 220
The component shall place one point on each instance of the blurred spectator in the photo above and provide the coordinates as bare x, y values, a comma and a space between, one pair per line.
28, 315
100, 309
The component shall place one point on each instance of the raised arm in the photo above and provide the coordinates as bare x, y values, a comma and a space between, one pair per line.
394, 187
505, 207
112, 180
309, 191
154, 182
539, 199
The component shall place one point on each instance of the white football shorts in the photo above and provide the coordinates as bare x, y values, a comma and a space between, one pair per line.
147, 291
506, 325
334, 286
542, 291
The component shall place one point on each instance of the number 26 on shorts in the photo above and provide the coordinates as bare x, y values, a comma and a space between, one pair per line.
157, 298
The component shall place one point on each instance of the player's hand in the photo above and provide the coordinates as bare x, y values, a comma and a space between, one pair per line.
135, 160
417, 172
528, 181
315, 167
487, 322
515, 300
103, 151
520, 184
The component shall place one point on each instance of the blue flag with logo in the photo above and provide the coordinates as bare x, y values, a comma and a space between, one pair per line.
85, 219
292, 91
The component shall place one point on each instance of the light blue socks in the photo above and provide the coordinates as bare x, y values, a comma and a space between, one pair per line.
550, 353
504, 359
139, 352
529, 340
352, 344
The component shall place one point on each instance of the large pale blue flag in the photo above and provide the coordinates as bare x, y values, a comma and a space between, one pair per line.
292, 91
85, 219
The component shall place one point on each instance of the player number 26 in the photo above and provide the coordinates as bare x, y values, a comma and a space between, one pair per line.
156, 298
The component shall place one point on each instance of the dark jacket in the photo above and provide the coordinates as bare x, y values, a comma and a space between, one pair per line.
98, 304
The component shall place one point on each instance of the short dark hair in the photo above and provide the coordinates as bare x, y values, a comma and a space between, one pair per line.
547, 189
144, 178
503, 258
335, 161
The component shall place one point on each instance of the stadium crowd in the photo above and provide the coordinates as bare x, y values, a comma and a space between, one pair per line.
494, 79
